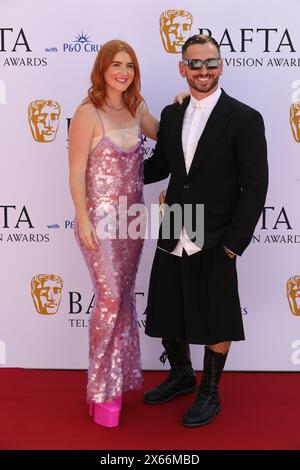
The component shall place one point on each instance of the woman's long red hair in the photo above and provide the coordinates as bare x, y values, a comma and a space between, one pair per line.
97, 92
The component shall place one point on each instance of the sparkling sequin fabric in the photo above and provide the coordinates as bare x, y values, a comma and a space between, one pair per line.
114, 351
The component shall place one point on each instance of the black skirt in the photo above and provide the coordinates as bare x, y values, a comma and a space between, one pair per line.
194, 298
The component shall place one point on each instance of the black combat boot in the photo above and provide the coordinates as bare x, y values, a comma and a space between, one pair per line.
207, 402
181, 378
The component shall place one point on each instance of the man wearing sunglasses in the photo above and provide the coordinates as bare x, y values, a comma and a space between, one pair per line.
214, 148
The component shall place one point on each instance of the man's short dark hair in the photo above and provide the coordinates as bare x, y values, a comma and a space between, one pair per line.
200, 39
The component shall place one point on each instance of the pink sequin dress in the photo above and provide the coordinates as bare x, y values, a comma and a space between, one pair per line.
114, 169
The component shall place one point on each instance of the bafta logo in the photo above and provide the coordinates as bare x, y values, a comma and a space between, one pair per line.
46, 292
293, 294
295, 120
175, 29
43, 117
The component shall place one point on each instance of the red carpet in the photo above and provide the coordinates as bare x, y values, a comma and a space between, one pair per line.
45, 409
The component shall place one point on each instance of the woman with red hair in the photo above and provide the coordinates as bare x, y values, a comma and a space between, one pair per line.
106, 163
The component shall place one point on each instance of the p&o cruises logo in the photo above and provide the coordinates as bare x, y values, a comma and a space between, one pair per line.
82, 43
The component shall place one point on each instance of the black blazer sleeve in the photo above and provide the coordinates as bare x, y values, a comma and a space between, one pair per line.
156, 168
252, 167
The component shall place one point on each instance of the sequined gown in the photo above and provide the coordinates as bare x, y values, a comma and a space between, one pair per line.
114, 169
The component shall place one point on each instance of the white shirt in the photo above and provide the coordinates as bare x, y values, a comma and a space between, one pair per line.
194, 122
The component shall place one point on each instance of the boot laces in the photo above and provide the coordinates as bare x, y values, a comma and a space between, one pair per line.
163, 357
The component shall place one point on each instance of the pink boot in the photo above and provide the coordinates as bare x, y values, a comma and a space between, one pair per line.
117, 400
107, 414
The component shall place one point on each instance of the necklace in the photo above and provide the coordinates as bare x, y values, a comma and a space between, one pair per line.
113, 108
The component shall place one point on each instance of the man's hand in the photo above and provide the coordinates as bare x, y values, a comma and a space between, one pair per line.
229, 253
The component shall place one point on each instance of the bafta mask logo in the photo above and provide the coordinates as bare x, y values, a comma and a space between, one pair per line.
175, 29
46, 292
43, 117
295, 120
293, 294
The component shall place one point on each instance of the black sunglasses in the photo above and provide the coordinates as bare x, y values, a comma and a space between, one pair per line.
196, 64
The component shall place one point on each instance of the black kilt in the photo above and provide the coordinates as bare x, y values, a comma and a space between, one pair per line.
194, 298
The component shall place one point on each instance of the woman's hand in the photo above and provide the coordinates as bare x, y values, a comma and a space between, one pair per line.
87, 234
180, 97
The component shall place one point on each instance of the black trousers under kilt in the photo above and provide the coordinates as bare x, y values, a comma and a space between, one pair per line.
194, 298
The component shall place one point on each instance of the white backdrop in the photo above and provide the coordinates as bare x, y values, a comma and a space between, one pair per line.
46, 53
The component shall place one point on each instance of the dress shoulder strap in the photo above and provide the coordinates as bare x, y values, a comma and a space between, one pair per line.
101, 120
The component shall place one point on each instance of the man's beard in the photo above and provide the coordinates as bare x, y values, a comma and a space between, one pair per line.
202, 88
